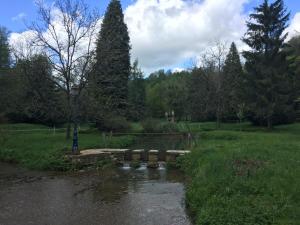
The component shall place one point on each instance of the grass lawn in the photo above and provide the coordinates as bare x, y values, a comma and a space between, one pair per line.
247, 177
38, 147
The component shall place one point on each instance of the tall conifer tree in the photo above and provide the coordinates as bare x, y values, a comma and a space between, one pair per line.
232, 82
4, 49
112, 67
267, 80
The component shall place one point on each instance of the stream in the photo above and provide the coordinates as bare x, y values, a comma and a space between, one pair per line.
114, 197
121, 196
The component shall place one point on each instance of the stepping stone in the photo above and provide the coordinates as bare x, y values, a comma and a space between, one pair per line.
171, 155
136, 155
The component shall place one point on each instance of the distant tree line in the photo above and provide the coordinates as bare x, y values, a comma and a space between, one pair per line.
260, 87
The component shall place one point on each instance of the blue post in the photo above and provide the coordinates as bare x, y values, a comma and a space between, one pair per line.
75, 141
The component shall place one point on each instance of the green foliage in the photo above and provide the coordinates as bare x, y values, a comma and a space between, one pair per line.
109, 81
232, 83
44, 150
42, 101
269, 87
28, 93
202, 101
157, 126
114, 123
151, 125
292, 50
167, 92
137, 94
245, 177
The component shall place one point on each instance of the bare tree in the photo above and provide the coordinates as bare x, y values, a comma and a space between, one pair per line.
66, 33
215, 57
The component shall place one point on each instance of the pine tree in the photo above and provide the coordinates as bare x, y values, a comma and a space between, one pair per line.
112, 67
267, 81
4, 49
232, 82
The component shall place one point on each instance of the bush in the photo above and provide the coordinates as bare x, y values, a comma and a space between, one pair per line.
150, 125
113, 123
156, 126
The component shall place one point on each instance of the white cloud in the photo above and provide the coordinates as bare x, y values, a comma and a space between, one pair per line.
164, 33
177, 69
18, 17
23, 43
167, 33
294, 28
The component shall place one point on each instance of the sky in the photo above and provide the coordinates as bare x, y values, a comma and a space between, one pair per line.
165, 34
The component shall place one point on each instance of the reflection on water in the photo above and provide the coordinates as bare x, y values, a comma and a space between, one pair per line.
114, 197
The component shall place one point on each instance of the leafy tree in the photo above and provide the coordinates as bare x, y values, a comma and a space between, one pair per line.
112, 67
167, 92
232, 83
202, 94
292, 49
268, 84
61, 38
137, 93
176, 94
155, 100
38, 100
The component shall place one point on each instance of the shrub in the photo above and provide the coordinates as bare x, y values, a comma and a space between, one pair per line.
113, 123
156, 126
150, 125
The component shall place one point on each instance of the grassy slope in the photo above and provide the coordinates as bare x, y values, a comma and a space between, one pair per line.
44, 150
245, 178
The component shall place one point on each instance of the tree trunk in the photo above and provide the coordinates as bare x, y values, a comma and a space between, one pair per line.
68, 133
69, 111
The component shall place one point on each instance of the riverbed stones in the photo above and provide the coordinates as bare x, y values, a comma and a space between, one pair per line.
153, 159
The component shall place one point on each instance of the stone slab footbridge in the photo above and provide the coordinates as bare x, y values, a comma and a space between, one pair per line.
122, 156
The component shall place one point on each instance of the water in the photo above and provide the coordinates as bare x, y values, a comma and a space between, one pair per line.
161, 166
113, 197
126, 166
143, 166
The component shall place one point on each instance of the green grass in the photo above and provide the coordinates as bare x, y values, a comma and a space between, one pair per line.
42, 149
244, 178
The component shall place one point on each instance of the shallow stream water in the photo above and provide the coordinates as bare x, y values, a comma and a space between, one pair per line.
122, 196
